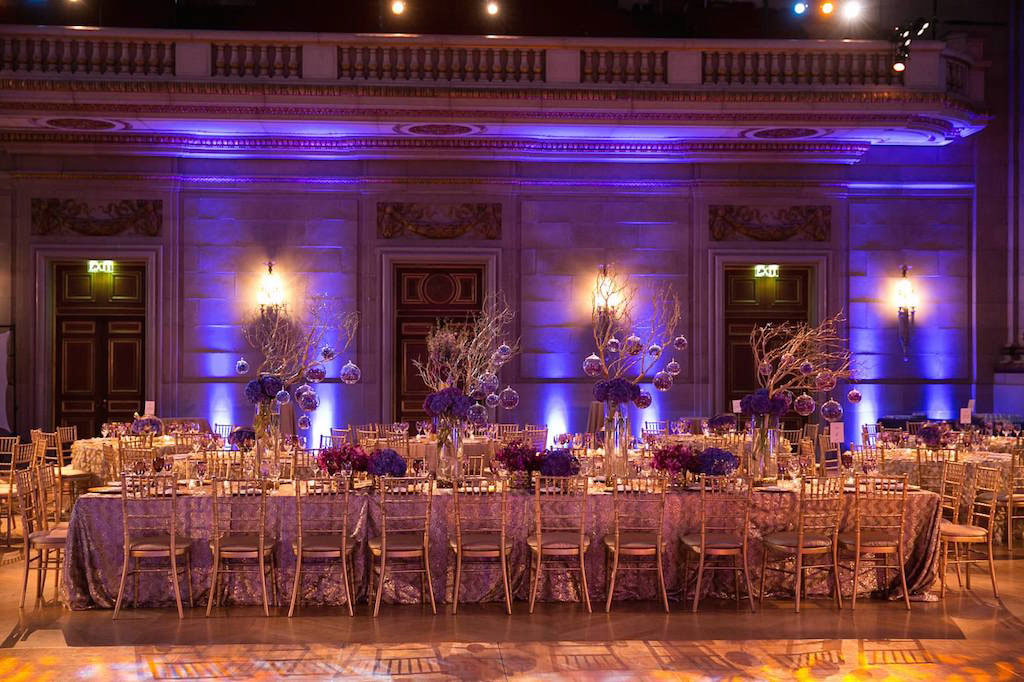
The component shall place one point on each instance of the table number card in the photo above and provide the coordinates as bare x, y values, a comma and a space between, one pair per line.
736, 406
965, 415
150, 407
835, 432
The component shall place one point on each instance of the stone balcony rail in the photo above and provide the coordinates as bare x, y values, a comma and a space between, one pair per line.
126, 54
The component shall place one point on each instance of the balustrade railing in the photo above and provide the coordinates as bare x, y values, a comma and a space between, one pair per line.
440, 63
255, 60
92, 57
767, 68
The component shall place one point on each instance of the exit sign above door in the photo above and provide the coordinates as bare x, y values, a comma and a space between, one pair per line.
766, 270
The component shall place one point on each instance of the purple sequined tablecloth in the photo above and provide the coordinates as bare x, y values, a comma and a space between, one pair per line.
94, 551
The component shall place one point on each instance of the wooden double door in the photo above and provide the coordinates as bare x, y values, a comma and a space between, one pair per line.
752, 300
425, 294
99, 343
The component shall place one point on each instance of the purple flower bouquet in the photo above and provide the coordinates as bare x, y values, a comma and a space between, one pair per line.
242, 437
341, 458
386, 462
147, 424
935, 435
559, 463
448, 402
519, 456
760, 403
716, 462
673, 459
616, 391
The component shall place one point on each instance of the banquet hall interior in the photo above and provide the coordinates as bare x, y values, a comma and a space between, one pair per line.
494, 339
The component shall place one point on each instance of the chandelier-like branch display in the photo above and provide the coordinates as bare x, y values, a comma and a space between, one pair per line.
798, 357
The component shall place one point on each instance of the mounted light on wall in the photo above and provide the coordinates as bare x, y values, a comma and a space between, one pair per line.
607, 293
270, 293
906, 307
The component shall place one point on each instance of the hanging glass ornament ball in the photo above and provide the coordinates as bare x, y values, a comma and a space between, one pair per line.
509, 398
316, 373
806, 368
489, 382
592, 366
633, 345
304, 388
673, 368
476, 392
854, 396
613, 345
831, 411
804, 405
308, 401
654, 350
304, 422
765, 368
492, 400
503, 353
242, 366
662, 381
786, 359
825, 381
477, 413
327, 353
283, 397
350, 374
786, 395
680, 343
644, 400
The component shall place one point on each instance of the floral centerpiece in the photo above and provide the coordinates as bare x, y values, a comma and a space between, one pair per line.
722, 424
891, 438
678, 459
518, 456
716, 462
674, 459
626, 351
295, 351
386, 462
464, 358
147, 424
242, 437
559, 462
789, 358
936, 435
342, 458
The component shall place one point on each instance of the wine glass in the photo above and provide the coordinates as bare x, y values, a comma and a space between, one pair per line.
158, 464
201, 470
105, 429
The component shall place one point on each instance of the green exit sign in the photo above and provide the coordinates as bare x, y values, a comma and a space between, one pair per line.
766, 270
101, 266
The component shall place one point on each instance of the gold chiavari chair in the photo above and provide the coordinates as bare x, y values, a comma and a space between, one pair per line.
404, 534
828, 457
399, 442
71, 480
49, 454
38, 542
656, 428
501, 430
223, 430
1013, 501
136, 460
304, 464
980, 528
559, 537
928, 455
141, 440
867, 458
366, 437
811, 431
869, 434
637, 541
344, 434
240, 537
879, 509
724, 528
149, 510
913, 428
815, 536
807, 461
50, 498
480, 518
472, 465
793, 437
7, 486
323, 540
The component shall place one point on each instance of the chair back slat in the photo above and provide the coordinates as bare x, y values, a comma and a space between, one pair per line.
560, 504
239, 506
725, 506
28, 501
951, 488
149, 504
988, 484
638, 504
480, 504
321, 505
820, 505
880, 504
405, 504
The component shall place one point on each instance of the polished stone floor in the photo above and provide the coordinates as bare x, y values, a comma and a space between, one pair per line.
966, 636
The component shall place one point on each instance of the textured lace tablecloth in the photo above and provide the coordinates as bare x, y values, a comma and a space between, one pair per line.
94, 551
88, 455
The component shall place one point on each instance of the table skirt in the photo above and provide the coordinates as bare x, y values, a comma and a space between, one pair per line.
94, 551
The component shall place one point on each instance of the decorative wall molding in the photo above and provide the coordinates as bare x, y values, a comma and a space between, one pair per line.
433, 221
732, 222
52, 216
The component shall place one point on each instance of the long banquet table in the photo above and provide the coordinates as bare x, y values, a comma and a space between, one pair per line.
93, 456
94, 551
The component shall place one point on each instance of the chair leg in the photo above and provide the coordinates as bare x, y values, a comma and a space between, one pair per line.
24, 583
764, 569
120, 588
536, 556
1009, 524
610, 580
380, 586
56, 575
968, 551
344, 579
41, 575
430, 584
213, 582
458, 581
903, 577
263, 584
583, 579
943, 562
661, 579
505, 582
188, 577
799, 577
992, 567
856, 573
746, 579
700, 580
835, 574
296, 584
174, 582
956, 563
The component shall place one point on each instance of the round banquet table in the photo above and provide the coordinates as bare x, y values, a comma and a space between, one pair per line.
90, 456
94, 550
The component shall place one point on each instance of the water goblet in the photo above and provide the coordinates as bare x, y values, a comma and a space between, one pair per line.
105, 429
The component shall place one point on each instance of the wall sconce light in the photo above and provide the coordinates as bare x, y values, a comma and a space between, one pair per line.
270, 293
906, 307
607, 293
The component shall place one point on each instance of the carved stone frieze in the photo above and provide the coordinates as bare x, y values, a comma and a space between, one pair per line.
142, 217
731, 222
438, 221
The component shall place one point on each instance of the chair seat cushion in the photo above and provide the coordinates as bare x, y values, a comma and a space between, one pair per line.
959, 530
69, 471
158, 542
243, 542
50, 537
713, 541
399, 542
789, 538
326, 542
1001, 497
633, 540
559, 539
481, 541
868, 539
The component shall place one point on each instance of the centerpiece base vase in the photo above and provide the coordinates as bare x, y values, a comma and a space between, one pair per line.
616, 442
763, 449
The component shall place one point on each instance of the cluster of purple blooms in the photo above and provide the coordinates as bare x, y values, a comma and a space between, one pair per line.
679, 458
674, 459
147, 424
722, 423
760, 403
519, 456
386, 462
263, 389
559, 463
935, 435
342, 458
616, 391
448, 402
242, 437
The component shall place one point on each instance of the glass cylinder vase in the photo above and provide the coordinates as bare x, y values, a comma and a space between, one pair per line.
763, 449
616, 445
449, 441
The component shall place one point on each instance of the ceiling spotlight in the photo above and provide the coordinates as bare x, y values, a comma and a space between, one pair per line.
493, 8
899, 67
398, 7
851, 10
799, 8
828, 8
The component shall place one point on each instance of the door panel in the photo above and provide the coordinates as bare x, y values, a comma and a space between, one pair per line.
100, 342
426, 293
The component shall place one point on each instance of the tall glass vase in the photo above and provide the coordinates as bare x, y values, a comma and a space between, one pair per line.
616, 440
449, 441
764, 436
266, 424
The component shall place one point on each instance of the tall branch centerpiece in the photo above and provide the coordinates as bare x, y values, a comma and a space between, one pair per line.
791, 358
464, 358
295, 353
628, 349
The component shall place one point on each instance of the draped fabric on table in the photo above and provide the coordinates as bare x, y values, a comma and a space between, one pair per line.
88, 455
93, 557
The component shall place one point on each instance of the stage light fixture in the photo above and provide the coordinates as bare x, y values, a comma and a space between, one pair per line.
799, 7
827, 8
398, 7
493, 8
851, 10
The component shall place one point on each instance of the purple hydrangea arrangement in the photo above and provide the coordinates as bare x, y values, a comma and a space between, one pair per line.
340, 458
559, 463
270, 385
386, 462
242, 437
254, 392
935, 435
673, 459
147, 424
448, 402
761, 403
722, 423
716, 462
616, 391
519, 456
